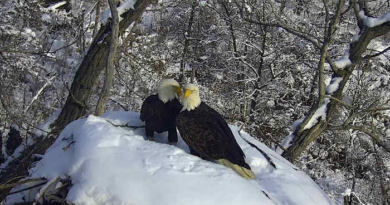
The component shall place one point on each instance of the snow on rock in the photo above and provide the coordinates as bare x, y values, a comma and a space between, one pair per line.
320, 113
343, 61
372, 22
125, 6
114, 165
334, 85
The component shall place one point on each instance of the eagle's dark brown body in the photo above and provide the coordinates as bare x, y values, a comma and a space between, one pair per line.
160, 117
207, 133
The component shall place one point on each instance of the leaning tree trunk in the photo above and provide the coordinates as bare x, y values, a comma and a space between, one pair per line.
304, 137
110, 60
91, 66
86, 76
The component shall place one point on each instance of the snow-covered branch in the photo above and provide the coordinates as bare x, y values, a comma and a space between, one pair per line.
372, 22
40, 91
124, 7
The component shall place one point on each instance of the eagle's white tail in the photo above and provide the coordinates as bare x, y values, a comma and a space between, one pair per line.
242, 171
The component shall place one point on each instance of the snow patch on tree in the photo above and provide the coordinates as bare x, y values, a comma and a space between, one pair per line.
355, 38
287, 141
347, 192
343, 61
202, 3
334, 85
125, 6
320, 113
372, 22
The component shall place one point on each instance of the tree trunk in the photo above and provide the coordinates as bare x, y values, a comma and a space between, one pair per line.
97, 17
91, 67
85, 78
1, 145
110, 59
259, 70
187, 42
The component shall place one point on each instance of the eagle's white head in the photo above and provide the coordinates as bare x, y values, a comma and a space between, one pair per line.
190, 98
169, 89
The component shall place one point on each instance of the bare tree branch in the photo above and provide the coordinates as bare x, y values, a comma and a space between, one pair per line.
375, 137
377, 54
11, 185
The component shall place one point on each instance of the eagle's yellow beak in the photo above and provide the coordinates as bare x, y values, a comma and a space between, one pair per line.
187, 93
178, 91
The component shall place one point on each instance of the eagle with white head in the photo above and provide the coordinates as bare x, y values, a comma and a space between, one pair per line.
159, 111
208, 135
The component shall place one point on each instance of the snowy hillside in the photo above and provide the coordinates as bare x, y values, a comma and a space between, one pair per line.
115, 165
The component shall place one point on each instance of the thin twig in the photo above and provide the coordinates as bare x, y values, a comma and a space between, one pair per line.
6, 186
67, 146
126, 125
258, 149
40, 91
42, 191
119, 104
377, 54
32, 187
273, 141
57, 199
339, 101
375, 137
81, 104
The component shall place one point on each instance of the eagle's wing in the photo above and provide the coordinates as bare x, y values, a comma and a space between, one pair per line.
230, 148
222, 124
147, 108
208, 133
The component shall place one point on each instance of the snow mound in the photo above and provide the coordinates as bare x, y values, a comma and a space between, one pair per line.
116, 165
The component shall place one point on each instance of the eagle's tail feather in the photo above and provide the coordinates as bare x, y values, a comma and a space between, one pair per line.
242, 171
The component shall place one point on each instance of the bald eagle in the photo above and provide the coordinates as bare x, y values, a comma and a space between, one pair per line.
208, 135
159, 111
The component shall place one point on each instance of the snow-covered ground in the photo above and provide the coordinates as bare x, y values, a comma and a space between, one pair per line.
115, 165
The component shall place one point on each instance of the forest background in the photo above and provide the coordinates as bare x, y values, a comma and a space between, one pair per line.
264, 64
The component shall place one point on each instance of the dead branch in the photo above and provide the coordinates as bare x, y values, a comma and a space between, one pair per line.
67, 146
339, 101
32, 187
43, 190
58, 199
374, 136
11, 185
118, 103
258, 149
272, 140
126, 125
377, 54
